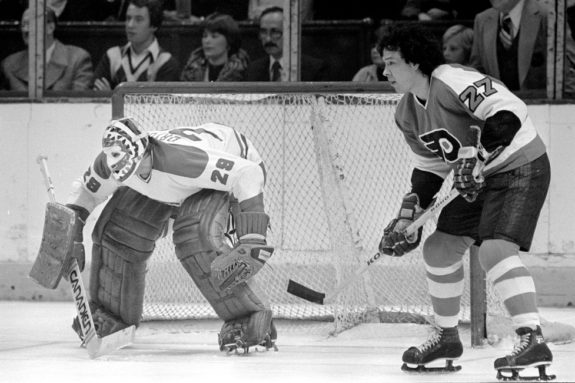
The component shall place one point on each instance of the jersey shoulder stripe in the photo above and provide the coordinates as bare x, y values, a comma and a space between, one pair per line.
180, 160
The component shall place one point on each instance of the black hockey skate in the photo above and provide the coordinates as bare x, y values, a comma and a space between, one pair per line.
238, 345
531, 351
443, 344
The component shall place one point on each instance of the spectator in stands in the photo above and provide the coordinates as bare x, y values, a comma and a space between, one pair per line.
142, 58
426, 10
272, 67
510, 43
457, 42
374, 71
220, 57
67, 67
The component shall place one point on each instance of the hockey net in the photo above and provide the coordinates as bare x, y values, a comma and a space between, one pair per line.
337, 170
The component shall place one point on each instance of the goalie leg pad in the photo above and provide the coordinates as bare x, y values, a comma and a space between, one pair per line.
105, 323
255, 329
199, 236
124, 238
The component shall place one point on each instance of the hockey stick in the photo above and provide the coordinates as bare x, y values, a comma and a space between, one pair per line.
314, 296
95, 345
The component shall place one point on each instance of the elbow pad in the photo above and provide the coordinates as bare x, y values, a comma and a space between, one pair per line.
425, 185
499, 130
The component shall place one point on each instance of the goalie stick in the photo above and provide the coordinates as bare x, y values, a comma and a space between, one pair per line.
95, 345
314, 296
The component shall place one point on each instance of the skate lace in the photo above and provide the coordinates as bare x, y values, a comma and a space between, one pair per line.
523, 342
432, 341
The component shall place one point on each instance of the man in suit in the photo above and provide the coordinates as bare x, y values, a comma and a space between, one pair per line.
510, 43
67, 67
273, 67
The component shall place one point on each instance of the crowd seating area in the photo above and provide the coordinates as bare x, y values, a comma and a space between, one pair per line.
344, 44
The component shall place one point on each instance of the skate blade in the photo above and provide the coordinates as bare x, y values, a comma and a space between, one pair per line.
241, 349
502, 373
424, 369
102, 346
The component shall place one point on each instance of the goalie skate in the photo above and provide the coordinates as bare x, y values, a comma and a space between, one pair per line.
444, 344
240, 347
243, 333
530, 352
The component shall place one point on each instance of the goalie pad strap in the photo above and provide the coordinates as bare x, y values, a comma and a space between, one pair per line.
124, 238
199, 236
252, 223
82, 212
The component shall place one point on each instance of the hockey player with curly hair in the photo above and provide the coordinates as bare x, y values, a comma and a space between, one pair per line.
196, 176
455, 118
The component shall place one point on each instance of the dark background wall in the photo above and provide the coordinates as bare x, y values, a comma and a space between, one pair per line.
343, 44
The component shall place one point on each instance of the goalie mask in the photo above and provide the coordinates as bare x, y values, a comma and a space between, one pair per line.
124, 145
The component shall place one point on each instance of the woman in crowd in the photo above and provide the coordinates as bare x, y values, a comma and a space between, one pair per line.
457, 42
220, 57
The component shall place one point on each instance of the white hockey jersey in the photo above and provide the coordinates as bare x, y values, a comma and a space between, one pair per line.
185, 160
458, 98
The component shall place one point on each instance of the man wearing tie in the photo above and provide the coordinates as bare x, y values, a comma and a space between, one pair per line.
510, 43
273, 67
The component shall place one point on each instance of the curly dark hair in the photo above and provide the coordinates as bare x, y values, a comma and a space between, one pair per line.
416, 45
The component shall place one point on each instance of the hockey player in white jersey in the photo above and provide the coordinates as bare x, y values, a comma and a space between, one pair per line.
503, 181
195, 175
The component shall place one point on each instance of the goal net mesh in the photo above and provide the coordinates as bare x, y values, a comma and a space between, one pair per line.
337, 168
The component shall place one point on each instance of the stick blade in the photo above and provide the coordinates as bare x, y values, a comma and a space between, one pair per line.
110, 343
305, 292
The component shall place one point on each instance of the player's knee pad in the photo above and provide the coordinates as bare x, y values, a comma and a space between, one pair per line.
493, 251
199, 236
251, 330
123, 239
441, 249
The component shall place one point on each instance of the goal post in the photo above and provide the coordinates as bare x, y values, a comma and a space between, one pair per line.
337, 170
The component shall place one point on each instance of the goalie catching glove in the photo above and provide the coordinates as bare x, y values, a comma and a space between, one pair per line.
394, 241
248, 256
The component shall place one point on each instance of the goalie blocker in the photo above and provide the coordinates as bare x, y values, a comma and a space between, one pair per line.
248, 256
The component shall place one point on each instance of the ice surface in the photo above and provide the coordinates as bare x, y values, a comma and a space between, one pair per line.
38, 345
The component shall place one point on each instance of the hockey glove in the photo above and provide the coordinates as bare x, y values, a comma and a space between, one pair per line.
248, 256
77, 250
394, 241
468, 179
